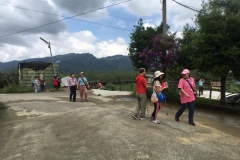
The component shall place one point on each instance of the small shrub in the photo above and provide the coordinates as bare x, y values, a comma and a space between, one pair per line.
208, 101
110, 86
2, 106
99, 94
172, 93
16, 89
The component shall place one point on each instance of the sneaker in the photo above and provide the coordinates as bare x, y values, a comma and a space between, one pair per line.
192, 123
143, 118
134, 116
177, 119
156, 121
85, 100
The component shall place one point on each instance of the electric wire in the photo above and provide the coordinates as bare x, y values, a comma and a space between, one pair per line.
58, 4
13, 25
17, 36
186, 6
65, 19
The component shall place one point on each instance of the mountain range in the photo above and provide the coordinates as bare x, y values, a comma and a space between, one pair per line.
73, 62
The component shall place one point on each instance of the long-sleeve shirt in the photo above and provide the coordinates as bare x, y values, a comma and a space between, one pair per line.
72, 82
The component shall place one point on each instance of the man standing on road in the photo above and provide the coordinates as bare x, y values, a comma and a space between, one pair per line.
36, 84
83, 83
141, 84
72, 86
200, 83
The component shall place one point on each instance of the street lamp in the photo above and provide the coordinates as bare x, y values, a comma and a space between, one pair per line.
49, 46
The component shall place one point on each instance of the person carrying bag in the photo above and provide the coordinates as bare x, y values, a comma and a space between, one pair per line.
83, 86
187, 88
157, 95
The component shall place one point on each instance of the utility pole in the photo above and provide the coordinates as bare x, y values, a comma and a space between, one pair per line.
164, 23
164, 16
49, 46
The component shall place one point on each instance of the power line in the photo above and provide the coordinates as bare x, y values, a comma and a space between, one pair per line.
65, 18
17, 36
186, 6
58, 4
13, 25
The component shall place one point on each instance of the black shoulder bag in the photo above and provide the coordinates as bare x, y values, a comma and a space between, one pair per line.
195, 95
84, 82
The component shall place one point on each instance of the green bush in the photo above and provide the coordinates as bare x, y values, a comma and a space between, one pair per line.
16, 89
208, 101
172, 94
110, 86
2, 106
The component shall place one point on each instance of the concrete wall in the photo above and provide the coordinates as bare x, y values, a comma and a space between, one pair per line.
28, 76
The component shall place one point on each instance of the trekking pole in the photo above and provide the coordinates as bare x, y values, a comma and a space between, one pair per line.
147, 107
166, 107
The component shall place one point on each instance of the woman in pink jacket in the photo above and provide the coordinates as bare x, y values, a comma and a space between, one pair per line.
188, 91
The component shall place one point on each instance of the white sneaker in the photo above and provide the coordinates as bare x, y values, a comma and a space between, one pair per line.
156, 121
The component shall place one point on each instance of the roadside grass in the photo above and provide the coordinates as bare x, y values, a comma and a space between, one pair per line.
16, 89
56, 90
3, 106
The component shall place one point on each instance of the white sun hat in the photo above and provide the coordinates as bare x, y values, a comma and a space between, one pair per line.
157, 74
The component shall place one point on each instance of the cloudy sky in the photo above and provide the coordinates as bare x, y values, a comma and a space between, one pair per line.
102, 33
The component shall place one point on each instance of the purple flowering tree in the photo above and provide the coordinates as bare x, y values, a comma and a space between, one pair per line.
163, 54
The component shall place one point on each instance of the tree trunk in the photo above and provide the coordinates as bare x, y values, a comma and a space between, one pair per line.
223, 90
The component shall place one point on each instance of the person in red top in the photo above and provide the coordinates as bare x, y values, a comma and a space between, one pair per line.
55, 82
42, 82
141, 84
99, 84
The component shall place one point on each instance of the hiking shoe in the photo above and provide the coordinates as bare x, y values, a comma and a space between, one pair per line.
177, 119
192, 123
143, 118
156, 121
134, 116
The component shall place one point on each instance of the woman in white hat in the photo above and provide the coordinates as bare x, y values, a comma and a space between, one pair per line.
157, 88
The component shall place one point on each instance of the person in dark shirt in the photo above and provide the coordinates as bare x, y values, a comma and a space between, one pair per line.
42, 83
72, 86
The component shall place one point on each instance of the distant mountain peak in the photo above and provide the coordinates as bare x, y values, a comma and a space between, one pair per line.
74, 62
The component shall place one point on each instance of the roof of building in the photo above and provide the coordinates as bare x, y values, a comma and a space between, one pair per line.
35, 65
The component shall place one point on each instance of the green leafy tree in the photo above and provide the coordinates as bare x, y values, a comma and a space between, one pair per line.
141, 38
213, 45
157, 57
8, 77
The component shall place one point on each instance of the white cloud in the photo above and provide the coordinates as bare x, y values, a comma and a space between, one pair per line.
14, 20
111, 47
177, 16
145, 25
65, 42
121, 24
